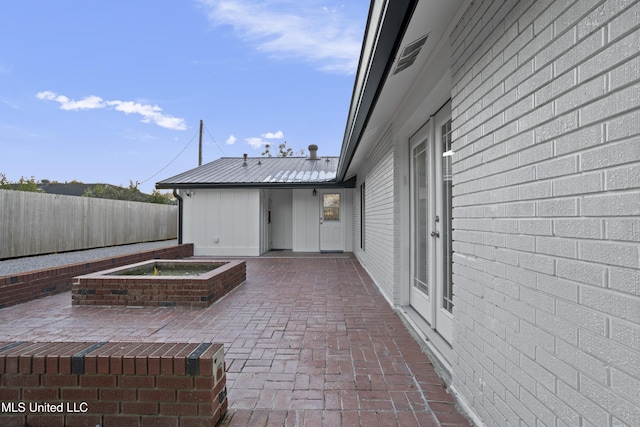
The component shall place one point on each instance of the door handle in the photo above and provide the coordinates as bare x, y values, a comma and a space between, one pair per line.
435, 234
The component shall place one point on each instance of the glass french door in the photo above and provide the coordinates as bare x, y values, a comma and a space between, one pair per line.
431, 225
421, 294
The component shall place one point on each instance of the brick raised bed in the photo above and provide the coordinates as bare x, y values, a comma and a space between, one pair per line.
19, 288
113, 287
112, 384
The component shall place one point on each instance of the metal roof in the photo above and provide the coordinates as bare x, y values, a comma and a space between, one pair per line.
258, 172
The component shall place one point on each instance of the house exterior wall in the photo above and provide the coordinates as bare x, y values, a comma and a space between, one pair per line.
282, 219
348, 217
222, 221
265, 226
546, 176
306, 219
234, 222
379, 254
306, 222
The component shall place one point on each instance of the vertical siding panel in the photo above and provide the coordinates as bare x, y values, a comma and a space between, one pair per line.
306, 231
223, 221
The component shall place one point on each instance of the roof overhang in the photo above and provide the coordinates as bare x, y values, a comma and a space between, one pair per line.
403, 77
350, 183
387, 23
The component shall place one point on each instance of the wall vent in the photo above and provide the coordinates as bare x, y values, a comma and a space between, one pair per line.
409, 54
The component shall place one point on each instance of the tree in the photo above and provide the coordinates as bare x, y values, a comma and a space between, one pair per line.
266, 152
132, 193
103, 191
4, 182
106, 191
283, 150
158, 197
29, 184
23, 184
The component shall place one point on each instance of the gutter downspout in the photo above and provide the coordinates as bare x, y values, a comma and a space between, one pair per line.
177, 196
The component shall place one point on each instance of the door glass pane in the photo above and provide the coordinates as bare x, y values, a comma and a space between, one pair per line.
420, 217
331, 207
447, 249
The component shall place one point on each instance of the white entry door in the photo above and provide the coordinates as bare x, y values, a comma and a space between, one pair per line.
331, 221
431, 225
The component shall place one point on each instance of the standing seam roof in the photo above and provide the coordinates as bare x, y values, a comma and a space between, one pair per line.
258, 170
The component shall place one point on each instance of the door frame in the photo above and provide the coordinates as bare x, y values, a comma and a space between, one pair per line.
444, 318
422, 302
438, 318
339, 225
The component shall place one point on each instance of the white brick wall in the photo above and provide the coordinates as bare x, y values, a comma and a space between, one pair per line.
378, 257
546, 118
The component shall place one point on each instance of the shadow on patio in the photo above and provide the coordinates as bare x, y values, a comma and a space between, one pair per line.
308, 341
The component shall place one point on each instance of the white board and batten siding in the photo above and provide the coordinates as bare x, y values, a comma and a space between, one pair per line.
234, 222
222, 221
306, 219
282, 219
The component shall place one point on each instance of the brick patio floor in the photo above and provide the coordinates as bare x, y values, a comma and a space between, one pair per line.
309, 341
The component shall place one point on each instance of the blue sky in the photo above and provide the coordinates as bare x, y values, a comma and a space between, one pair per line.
113, 91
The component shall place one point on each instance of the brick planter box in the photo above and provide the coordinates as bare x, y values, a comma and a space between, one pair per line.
112, 384
118, 287
23, 287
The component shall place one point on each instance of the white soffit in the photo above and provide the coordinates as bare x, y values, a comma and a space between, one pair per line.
430, 25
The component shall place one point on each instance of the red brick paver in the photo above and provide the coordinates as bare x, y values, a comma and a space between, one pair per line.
309, 341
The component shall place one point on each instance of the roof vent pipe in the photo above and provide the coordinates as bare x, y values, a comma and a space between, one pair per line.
313, 152
245, 159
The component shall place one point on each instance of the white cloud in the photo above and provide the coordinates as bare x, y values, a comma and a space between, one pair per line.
256, 142
273, 135
231, 140
259, 142
302, 30
88, 103
149, 113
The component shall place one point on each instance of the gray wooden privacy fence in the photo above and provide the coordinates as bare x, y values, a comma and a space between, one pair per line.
37, 223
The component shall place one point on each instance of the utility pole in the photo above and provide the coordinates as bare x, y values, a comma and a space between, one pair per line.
200, 146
